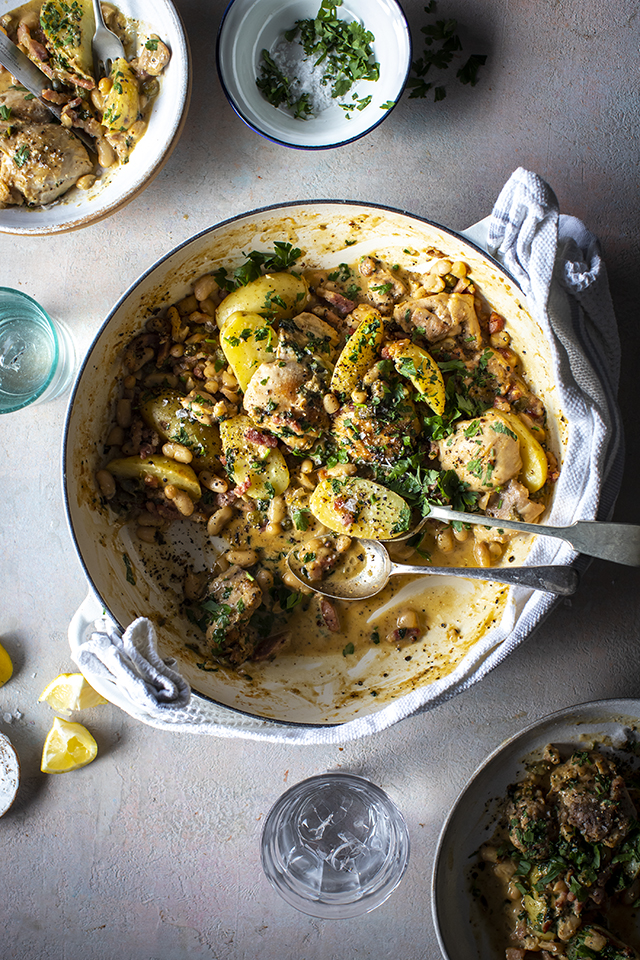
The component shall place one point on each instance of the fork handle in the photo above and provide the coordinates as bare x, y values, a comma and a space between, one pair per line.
619, 542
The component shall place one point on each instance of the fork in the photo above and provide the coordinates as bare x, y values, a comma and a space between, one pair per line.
107, 47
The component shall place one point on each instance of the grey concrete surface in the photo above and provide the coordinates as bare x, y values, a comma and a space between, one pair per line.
151, 853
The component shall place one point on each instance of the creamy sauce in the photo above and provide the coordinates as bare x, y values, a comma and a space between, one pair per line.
318, 666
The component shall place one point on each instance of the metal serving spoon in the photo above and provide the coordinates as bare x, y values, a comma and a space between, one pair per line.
375, 568
619, 542
107, 47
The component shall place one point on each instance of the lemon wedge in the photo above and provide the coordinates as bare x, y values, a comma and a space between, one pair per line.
69, 692
68, 746
6, 667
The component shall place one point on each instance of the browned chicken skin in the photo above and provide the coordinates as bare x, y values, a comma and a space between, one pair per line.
483, 455
41, 160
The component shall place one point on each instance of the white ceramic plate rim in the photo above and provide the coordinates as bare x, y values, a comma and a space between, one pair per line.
472, 818
237, 68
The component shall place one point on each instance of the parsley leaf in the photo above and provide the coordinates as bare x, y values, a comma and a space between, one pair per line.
283, 256
441, 45
21, 156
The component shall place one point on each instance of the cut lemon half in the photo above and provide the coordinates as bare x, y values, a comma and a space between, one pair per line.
68, 746
69, 692
6, 667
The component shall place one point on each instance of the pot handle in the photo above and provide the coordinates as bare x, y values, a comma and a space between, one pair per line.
478, 233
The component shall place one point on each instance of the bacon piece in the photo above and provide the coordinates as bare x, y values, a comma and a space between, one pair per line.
54, 96
265, 439
35, 51
496, 323
330, 615
345, 509
269, 646
341, 303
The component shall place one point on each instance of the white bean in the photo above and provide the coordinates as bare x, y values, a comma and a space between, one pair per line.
342, 470
106, 483
177, 451
330, 403
147, 534
150, 520
277, 510
182, 500
407, 620
204, 287
241, 558
219, 520
481, 554
444, 540
115, 437
213, 483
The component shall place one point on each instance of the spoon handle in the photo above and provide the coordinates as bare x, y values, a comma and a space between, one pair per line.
562, 581
619, 542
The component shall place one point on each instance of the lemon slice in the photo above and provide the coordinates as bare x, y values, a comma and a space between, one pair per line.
6, 667
69, 692
67, 747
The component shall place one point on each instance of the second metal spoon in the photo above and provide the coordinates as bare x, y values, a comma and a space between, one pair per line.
375, 568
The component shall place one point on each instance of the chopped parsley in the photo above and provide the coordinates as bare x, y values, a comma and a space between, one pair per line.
441, 45
283, 256
21, 156
342, 47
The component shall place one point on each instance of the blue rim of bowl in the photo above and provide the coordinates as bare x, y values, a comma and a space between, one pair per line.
130, 289
321, 146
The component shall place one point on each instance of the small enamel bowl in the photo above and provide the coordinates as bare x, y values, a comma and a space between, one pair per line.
251, 26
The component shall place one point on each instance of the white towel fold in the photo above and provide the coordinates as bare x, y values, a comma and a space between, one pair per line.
130, 663
557, 263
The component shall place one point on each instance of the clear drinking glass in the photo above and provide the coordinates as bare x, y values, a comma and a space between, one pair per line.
37, 355
335, 846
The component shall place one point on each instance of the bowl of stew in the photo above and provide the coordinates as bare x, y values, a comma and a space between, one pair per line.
538, 851
257, 377
113, 134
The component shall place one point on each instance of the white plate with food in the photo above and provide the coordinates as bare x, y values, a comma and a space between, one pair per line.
132, 119
540, 850
237, 396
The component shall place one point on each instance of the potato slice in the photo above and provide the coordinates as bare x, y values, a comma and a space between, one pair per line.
414, 363
534, 460
248, 340
166, 415
162, 468
249, 460
359, 352
68, 31
275, 295
360, 508
122, 104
